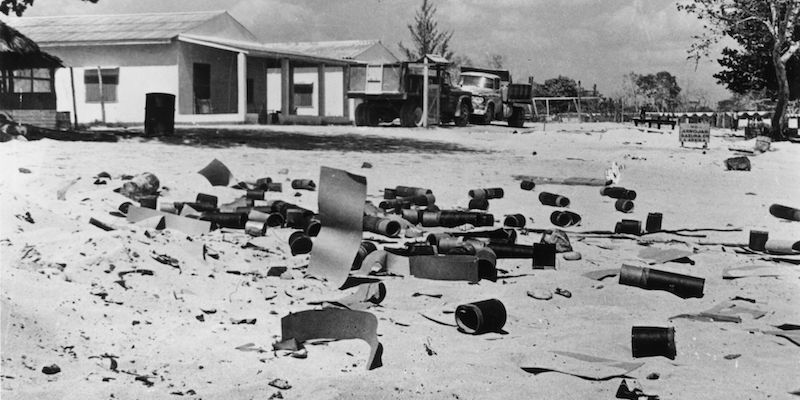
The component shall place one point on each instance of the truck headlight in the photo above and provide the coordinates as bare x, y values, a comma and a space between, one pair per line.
477, 100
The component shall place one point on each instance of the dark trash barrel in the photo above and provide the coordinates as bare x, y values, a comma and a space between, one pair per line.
159, 114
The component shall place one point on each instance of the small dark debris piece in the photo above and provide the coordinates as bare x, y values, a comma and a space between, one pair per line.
26, 217
200, 317
247, 321
24, 171
563, 292
653, 376
280, 384
167, 260
276, 395
624, 392
100, 182
103, 174
51, 369
738, 164
145, 380
732, 356
366, 165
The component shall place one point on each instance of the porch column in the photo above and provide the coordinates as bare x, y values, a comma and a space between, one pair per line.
287, 90
241, 74
345, 88
321, 90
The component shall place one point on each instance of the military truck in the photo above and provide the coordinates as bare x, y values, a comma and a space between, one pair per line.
391, 91
495, 97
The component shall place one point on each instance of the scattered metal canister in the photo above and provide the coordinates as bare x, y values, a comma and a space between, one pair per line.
363, 251
382, 226
406, 191
623, 205
306, 184
389, 193
490, 193
300, 243
544, 255
412, 216
757, 240
650, 341
263, 183
552, 199
275, 219
255, 194
207, 199
785, 212
618, 193
630, 226
255, 228
481, 316
564, 218
653, 223
226, 220
478, 204
123, 208
275, 187
683, 286
514, 220
148, 201
527, 185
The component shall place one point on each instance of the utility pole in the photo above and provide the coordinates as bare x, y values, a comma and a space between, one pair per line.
102, 94
425, 92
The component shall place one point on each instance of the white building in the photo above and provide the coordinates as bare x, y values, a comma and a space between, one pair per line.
216, 68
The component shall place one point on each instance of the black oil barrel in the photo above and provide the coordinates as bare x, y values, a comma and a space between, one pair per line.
159, 114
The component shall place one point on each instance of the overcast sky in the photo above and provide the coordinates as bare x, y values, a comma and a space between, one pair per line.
594, 41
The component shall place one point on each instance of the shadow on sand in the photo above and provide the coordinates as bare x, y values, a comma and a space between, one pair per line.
219, 138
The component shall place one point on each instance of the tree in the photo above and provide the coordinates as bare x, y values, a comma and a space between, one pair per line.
557, 87
661, 89
496, 61
774, 22
19, 6
425, 35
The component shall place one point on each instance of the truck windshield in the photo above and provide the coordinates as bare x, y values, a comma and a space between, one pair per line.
476, 81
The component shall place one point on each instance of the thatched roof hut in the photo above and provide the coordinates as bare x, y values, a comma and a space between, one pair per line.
19, 52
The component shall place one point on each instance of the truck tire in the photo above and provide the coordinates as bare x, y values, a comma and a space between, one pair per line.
463, 119
373, 116
413, 116
517, 118
489, 116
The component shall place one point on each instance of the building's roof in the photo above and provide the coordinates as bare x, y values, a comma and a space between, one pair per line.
19, 52
342, 49
120, 28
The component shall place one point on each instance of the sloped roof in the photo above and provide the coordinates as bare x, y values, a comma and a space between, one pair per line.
342, 49
19, 52
127, 27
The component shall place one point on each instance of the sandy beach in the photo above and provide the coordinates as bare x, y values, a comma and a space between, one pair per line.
174, 333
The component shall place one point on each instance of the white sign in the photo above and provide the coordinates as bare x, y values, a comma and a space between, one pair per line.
694, 133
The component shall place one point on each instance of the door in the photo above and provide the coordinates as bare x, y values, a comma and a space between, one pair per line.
374, 79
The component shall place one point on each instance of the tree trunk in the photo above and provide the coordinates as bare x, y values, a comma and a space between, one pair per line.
779, 116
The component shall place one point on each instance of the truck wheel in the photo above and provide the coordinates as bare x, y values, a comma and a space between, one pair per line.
489, 116
517, 118
373, 116
361, 114
416, 116
463, 119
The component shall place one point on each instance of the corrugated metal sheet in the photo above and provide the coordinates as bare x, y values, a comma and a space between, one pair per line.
341, 50
101, 28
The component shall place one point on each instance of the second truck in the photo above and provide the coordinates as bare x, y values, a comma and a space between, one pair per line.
495, 97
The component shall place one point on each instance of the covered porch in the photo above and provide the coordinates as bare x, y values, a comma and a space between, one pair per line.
244, 82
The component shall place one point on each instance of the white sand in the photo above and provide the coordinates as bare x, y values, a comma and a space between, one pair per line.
51, 268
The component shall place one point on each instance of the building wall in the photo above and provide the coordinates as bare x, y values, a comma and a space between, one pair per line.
142, 69
224, 90
334, 91
134, 83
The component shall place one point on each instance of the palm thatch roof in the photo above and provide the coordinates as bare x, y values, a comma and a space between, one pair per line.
19, 52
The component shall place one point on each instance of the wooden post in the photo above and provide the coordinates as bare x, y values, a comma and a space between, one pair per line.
241, 81
102, 94
285, 89
321, 90
425, 92
345, 89
578, 103
74, 103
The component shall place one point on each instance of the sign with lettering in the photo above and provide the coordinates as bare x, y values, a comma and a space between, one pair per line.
694, 133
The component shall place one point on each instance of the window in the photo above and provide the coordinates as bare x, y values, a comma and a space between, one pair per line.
303, 94
32, 81
110, 81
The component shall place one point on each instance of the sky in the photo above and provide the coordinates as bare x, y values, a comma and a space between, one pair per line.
594, 41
